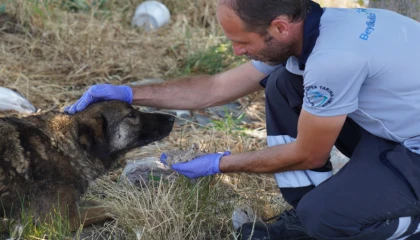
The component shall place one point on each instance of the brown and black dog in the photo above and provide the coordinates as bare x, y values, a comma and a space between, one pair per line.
48, 160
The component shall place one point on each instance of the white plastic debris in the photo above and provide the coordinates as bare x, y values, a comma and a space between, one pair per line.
151, 15
243, 214
11, 100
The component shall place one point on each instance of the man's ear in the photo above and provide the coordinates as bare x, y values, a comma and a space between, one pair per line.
92, 137
279, 27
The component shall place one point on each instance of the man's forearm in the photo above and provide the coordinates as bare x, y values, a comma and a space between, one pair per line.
200, 91
269, 160
183, 93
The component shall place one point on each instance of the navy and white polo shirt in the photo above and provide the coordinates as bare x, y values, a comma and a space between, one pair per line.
366, 64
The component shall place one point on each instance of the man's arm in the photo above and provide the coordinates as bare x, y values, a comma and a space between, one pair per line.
200, 91
186, 93
316, 137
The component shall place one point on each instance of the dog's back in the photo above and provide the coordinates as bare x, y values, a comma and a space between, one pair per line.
14, 166
31, 164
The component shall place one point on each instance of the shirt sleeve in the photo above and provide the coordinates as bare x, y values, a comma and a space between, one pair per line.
332, 82
264, 68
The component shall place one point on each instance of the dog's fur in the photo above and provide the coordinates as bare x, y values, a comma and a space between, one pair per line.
48, 160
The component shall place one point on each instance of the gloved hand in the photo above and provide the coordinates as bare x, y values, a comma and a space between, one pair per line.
101, 92
198, 167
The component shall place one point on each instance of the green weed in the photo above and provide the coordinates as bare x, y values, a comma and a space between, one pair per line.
56, 226
212, 60
229, 123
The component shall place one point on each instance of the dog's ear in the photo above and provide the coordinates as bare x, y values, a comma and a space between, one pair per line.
86, 137
92, 136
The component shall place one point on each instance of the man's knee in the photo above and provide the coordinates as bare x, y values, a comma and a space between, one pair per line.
320, 219
280, 81
311, 217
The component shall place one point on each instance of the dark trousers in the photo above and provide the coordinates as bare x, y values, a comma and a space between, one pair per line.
374, 196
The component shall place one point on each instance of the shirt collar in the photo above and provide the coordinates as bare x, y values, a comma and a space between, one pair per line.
310, 32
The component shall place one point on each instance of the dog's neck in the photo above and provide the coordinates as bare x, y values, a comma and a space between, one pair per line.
63, 128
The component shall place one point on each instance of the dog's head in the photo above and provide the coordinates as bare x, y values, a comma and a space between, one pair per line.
110, 128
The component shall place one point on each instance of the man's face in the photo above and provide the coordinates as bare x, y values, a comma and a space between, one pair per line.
264, 48
273, 52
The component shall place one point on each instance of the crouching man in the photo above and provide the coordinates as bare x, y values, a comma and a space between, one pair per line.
343, 77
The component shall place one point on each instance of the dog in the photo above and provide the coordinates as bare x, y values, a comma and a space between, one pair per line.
48, 160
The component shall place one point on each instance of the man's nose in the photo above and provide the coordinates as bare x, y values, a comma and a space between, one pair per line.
238, 49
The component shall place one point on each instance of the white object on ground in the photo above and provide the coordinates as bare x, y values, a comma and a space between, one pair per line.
177, 155
140, 172
183, 113
151, 15
241, 215
11, 100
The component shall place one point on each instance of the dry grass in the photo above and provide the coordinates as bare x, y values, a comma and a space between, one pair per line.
404, 7
184, 210
58, 54
51, 56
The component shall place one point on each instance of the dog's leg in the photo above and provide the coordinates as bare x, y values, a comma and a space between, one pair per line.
88, 215
4, 225
65, 201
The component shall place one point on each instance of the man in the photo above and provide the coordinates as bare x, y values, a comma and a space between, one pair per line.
343, 77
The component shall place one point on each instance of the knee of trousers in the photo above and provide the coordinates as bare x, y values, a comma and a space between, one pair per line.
276, 83
319, 219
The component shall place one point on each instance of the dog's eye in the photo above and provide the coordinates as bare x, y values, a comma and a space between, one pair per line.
131, 115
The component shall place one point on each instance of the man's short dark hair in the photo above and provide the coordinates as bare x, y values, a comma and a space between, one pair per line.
258, 14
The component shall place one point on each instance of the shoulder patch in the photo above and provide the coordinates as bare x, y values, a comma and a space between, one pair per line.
318, 96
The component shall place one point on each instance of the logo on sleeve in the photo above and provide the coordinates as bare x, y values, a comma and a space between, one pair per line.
370, 23
318, 96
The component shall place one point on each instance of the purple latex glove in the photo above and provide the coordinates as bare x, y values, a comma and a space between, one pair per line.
100, 92
198, 167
